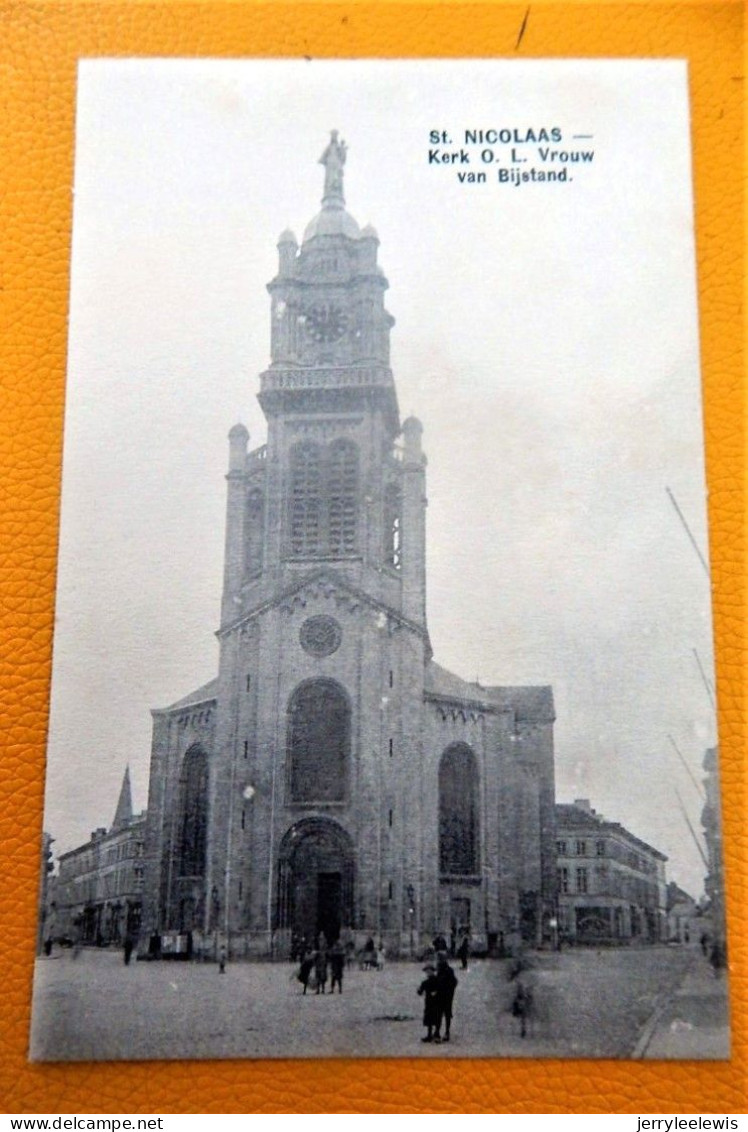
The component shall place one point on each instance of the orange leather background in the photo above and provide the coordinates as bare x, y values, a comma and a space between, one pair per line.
39, 46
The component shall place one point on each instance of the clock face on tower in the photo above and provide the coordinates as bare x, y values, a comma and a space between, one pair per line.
326, 323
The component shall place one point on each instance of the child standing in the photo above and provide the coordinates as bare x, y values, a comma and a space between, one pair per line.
429, 989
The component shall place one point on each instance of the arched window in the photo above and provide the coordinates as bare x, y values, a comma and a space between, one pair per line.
193, 814
306, 499
458, 812
324, 499
254, 531
319, 739
342, 497
392, 526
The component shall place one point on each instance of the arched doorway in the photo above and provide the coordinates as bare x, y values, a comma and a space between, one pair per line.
315, 879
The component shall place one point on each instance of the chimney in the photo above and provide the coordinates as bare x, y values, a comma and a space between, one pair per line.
584, 804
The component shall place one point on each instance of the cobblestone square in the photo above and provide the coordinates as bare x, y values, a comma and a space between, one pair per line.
588, 1004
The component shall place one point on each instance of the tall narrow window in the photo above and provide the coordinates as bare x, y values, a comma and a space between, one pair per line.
342, 497
324, 505
458, 812
319, 737
193, 814
392, 526
254, 534
306, 499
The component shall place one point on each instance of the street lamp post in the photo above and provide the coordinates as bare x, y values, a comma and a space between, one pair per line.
215, 912
411, 913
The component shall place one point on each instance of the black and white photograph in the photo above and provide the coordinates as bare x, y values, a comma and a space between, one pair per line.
383, 709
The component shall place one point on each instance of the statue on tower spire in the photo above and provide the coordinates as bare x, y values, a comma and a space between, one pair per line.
333, 160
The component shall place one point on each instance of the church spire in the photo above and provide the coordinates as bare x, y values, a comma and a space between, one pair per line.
333, 160
123, 815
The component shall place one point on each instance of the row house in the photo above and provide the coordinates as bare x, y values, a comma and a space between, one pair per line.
611, 884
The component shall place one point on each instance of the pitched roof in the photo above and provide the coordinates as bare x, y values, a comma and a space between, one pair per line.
532, 702
569, 815
443, 683
201, 695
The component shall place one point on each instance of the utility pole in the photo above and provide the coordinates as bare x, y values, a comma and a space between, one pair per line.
687, 529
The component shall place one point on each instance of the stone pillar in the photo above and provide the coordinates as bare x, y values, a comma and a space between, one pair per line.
233, 568
154, 882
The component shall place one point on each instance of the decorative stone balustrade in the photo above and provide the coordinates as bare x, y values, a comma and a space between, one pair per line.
257, 457
327, 377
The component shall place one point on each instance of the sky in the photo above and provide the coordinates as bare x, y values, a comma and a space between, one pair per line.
546, 335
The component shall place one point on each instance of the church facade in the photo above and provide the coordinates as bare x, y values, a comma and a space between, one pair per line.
333, 778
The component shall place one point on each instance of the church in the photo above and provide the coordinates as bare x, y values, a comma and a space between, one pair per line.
333, 778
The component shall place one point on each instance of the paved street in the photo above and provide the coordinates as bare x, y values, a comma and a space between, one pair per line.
692, 1022
589, 1004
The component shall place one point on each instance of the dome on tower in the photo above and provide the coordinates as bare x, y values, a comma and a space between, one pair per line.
332, 221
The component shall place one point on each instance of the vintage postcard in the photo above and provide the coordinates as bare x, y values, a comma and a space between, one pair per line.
383, 707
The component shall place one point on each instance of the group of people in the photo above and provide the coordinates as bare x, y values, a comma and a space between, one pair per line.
372, 957
438, 991
321, 963
317, 962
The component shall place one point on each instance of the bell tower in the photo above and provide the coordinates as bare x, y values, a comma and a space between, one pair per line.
328, 296
315, 786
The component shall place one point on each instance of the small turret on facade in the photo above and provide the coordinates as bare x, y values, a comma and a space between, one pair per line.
287, 249
368, 245
233, 569
238, 441
414, 522
412, 433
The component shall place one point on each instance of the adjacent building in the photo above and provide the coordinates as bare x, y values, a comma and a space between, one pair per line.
99, 885
685, 923
333, 778
611, 884
45, 922
711, 821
